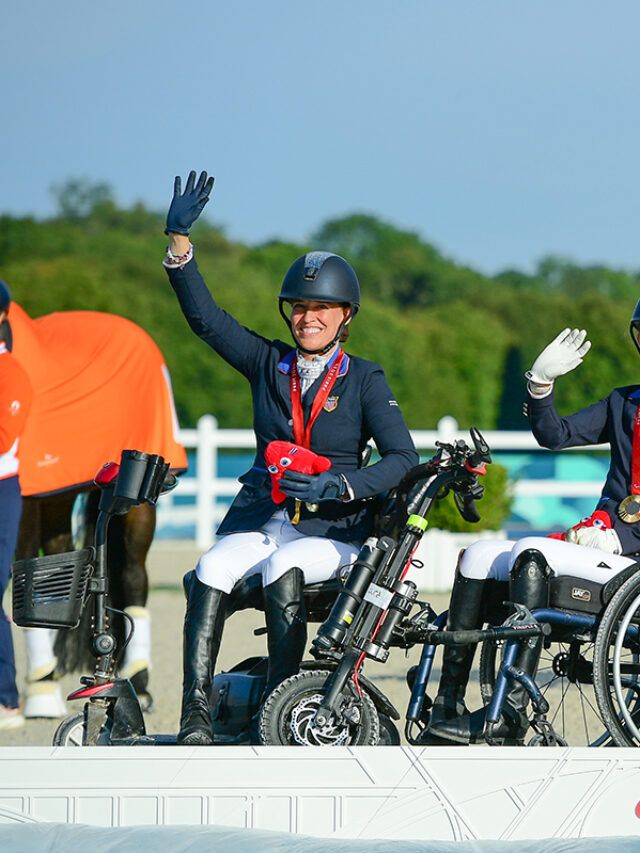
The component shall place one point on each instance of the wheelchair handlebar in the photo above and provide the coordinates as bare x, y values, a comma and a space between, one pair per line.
458, 466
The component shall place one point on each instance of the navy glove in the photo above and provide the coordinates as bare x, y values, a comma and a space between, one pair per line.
186, 207
312, 488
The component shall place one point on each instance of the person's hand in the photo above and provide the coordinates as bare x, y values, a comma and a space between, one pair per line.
187, 206
563, 354
595, 537
312, 488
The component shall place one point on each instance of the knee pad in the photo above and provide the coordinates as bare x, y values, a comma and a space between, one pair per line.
530, 579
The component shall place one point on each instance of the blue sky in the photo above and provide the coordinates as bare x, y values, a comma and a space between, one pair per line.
499, 130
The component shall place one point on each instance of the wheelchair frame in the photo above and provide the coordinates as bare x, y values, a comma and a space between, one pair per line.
614, 672
613, 636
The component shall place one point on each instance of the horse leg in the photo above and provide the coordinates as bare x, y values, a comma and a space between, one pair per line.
137, 529
43, 526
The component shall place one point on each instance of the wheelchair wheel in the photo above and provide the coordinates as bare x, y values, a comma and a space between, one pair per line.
287, 716
566, 680
389, 734
616, 666
70, 732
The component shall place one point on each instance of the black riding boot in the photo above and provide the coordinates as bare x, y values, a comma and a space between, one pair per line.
528, 585
203, 624
286, 626
465, 613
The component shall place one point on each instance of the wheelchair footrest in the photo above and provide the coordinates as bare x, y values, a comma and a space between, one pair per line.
545, 735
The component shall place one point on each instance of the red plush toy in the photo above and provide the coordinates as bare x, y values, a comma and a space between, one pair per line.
283, 455
599, 518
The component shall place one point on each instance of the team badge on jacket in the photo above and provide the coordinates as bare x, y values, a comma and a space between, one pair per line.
332, 404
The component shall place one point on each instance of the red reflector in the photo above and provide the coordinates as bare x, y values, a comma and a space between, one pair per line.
107, 474
89, 691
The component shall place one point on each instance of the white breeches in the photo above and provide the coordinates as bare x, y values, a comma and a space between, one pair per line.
494, 558
272, 551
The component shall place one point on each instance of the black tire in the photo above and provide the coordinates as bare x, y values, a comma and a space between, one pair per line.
70, 732
623, 663
565, 677
286, 716
389, 734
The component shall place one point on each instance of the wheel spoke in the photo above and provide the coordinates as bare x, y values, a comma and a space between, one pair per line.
565, 680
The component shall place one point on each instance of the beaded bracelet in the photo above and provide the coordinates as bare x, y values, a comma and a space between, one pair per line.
171, 260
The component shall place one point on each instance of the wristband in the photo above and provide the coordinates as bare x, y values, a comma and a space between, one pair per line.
171, 260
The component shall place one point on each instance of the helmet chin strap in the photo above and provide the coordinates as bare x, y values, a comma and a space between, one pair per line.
315, 351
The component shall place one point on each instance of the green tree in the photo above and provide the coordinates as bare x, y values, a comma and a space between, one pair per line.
78, 197
451, 340
493, 508
393, 265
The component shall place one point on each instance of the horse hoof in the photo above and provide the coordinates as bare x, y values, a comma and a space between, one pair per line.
140, 682
44, 699
146, 702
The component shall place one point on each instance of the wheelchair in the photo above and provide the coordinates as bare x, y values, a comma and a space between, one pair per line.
236, 694
589, 671
587, 687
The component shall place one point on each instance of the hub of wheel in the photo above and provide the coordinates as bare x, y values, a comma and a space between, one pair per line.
560, 665
306, 733
573, 666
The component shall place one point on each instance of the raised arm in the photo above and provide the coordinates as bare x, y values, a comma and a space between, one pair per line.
239, 346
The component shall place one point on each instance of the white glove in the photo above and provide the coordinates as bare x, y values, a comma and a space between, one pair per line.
563, 354
595, 537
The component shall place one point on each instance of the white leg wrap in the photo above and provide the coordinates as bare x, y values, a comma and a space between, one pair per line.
41, 660
137, 655
44, 699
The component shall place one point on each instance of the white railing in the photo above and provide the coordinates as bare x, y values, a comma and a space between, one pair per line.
206, 511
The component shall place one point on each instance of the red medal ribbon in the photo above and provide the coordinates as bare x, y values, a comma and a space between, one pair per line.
635, 456
302, 433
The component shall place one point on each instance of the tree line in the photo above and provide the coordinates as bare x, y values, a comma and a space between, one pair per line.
452, 340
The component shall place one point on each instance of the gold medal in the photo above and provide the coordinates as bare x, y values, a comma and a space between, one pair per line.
629, 509
296, 515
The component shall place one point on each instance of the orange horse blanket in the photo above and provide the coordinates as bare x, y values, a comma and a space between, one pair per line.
100, 386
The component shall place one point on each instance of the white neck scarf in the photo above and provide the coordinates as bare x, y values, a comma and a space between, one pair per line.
309, 370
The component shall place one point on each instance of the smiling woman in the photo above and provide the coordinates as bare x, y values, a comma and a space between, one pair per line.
315, 325
315, 398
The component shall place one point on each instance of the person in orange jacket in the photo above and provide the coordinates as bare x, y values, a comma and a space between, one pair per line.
16, 395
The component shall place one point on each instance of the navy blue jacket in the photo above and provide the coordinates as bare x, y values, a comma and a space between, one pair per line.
365, 409
610, 420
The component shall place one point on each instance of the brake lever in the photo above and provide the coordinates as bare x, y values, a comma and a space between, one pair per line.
482, 451
467, 506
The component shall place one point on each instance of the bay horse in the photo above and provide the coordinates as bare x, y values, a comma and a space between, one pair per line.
100, 386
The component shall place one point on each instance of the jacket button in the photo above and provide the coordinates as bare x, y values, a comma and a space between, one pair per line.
290, 422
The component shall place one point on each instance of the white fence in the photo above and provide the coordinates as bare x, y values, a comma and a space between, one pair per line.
206, 488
